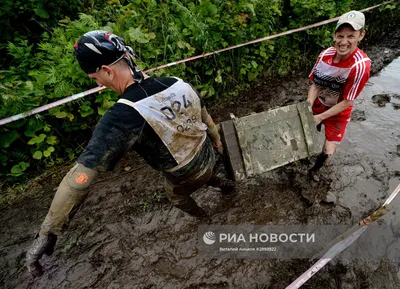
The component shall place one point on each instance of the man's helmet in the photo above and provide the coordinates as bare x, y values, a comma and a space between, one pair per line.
97, 48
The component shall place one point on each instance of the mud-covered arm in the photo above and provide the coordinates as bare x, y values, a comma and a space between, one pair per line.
107, 145
69, 196
212, 129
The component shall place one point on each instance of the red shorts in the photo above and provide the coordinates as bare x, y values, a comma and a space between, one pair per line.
335, 126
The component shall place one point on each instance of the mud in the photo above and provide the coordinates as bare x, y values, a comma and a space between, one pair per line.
358, 115
382, 99
126, 235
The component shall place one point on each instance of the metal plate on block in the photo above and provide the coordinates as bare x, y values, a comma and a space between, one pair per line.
271, 139
234, 160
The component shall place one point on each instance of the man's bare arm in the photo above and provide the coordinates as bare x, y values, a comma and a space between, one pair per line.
312, 94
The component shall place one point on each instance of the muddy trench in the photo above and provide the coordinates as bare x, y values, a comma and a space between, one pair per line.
126, 235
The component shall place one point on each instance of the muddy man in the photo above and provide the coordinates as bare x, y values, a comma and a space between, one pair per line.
162, 119
338, 77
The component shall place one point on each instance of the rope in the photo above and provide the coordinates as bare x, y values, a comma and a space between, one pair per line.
96, 89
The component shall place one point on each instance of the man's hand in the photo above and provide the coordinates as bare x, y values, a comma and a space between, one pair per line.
318, 119
41, 245
219, 147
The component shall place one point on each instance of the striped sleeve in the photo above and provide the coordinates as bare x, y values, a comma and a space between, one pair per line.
321, 55
358, 77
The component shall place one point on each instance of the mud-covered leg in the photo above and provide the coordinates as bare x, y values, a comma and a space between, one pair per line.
180, 197
323, 158
219, 179
69, 196
190, 206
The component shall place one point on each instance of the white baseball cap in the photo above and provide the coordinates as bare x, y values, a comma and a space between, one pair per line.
355, 18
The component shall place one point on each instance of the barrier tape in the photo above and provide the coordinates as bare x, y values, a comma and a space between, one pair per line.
343, 241
96, 89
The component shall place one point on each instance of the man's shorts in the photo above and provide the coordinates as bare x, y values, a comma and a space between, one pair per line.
335, 126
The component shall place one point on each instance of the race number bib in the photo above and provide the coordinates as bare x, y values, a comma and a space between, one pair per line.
175, 115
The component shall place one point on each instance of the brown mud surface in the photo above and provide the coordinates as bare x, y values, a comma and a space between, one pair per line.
126, 235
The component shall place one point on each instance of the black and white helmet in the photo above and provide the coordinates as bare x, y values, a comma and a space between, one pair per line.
98, 47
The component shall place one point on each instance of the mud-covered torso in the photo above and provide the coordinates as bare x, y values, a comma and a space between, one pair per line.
160, 119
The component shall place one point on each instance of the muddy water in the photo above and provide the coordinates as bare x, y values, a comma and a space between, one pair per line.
379, 133
375, 137
127, 235
375, 140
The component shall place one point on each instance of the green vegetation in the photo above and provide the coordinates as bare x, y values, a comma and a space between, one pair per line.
39, 67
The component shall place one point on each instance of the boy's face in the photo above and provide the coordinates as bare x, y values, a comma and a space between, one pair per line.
346, 40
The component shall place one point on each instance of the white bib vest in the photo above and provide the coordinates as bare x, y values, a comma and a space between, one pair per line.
175, 115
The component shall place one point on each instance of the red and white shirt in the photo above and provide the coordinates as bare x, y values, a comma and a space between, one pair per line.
342, 80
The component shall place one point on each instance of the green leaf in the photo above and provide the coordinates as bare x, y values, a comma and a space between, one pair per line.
48, 152
16, 170
29, 85
251, 7
101, 111
33, 141
37, 155
41, 12
218, 79
35, 125
29, 133
23, 165
136, 34
85, 113
181, 44
263, 54
37, 139
51, 140
212, 8
60, 114
252, 75
7, 138
70, 117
